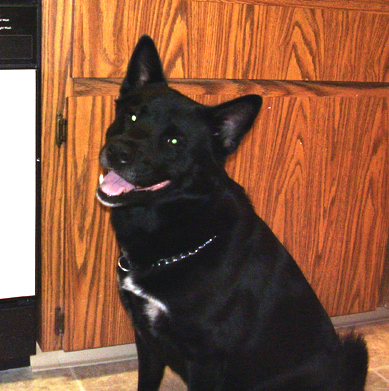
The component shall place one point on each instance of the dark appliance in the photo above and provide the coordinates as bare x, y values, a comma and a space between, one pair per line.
19, 195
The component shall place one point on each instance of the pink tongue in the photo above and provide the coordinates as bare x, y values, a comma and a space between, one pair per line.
114, 185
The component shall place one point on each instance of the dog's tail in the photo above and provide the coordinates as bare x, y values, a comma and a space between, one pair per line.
355, 362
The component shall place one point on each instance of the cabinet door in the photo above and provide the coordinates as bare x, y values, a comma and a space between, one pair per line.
314, 169
94, 316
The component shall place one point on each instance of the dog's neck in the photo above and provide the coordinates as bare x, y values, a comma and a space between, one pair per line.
125, 264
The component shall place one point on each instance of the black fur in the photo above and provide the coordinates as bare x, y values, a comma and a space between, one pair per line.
237, 314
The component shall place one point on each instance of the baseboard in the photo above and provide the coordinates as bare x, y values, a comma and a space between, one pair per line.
59, 359
379, 315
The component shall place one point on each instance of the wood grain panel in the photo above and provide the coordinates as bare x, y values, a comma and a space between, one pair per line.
107, 31
233, 40
57, 29
378, 6
288, 43
317, 173
94, 316
265, 88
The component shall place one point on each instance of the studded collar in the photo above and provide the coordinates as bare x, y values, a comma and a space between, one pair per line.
125, 264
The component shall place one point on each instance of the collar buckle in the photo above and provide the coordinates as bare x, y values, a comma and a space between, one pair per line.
124, 264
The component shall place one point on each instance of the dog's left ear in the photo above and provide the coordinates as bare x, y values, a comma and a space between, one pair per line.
233, 119
144, 67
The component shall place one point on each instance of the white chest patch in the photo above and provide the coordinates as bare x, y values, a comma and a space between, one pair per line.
153, 307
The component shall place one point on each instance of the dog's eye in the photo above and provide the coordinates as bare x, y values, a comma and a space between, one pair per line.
132, 117
173, 137
173, 141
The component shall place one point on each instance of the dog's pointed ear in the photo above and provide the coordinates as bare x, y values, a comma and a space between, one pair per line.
232, 120
144, 67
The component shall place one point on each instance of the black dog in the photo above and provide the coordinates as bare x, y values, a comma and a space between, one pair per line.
212, 293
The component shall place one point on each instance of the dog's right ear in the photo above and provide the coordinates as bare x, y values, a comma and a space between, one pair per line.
232, 120
144, 67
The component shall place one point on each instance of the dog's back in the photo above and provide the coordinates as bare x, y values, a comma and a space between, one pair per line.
347, 371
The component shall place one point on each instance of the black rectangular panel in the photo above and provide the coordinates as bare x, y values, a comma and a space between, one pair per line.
19, 34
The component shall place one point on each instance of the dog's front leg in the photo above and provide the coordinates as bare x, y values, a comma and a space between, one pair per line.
206, 376
151, 367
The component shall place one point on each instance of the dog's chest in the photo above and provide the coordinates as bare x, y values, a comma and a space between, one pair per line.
153, 308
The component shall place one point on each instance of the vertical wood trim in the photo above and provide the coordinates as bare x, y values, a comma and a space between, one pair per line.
57, 18
94, 315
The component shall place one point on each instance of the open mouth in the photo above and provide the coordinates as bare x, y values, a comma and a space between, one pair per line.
113, 187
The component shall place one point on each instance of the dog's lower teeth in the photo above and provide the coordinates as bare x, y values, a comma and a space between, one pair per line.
101, 179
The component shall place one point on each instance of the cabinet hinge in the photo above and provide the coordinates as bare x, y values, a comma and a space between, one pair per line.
61, 129
59, 321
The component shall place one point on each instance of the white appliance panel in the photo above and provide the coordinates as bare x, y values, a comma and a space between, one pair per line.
18, 182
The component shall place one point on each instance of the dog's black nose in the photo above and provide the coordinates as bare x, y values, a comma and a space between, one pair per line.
118, 153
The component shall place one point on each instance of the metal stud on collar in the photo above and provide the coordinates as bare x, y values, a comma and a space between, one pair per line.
168, 261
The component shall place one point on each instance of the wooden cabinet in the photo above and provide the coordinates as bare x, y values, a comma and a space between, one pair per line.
315, 165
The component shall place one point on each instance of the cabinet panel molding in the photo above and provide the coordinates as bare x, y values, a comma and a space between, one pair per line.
265, 88
377, 6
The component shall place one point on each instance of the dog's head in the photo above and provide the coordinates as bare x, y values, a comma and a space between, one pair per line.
161, 140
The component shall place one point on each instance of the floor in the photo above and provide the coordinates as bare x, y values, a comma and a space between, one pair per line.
122, 375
